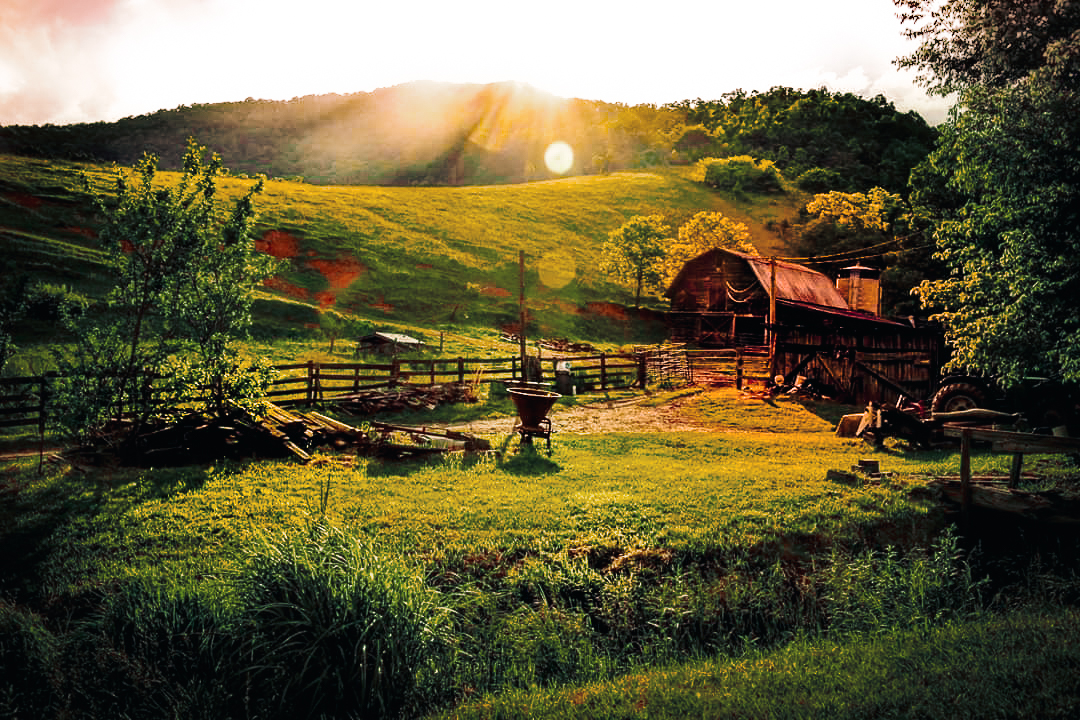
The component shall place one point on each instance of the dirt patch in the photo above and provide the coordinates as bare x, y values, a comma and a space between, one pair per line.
84, 232
25, 200
608, 310
284, 286
604, 416
494, 291
339, 273
278, 243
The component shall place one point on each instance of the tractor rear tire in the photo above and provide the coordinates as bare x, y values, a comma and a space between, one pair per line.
958, 396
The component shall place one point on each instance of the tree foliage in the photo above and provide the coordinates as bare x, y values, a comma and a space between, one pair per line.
633, 253
701, 233
837, 230
742, 173
1001, 192
184, 274
865, 142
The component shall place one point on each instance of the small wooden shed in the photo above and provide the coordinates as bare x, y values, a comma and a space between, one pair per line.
723, 298
388, 343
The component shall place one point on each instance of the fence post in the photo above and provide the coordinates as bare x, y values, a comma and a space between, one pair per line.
395, 372
642, 371
310, 382
603, 371
513, 368
461, 370
432, 372
43, 390
738, 368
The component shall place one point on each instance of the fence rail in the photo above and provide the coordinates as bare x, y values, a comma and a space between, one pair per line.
25, 401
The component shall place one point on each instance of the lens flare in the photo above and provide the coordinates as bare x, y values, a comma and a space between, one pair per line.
557, 269
559, 157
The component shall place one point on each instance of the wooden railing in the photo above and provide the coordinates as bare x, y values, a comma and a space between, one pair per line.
25, 401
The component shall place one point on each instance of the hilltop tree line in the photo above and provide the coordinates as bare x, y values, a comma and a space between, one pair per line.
437, 133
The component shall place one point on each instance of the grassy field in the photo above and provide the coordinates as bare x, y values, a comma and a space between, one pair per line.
680, 574
431, 259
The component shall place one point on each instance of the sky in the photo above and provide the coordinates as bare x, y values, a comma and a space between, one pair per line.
68, 61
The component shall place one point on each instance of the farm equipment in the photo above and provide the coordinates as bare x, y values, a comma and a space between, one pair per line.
533, 405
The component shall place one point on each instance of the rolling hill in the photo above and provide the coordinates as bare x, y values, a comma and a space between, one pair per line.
431, 257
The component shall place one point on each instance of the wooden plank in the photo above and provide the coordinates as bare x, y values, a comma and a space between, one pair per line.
965, 472
1015, 442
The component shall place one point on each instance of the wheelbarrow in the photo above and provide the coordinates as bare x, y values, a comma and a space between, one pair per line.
532, 406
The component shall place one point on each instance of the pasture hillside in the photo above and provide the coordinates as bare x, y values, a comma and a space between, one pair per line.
430, 257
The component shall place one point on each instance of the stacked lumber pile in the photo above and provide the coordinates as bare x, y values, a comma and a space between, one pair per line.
403, 397
197, 438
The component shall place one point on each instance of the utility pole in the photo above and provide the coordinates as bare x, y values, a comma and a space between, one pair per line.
521, 307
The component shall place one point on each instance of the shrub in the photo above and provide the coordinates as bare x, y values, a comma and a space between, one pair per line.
28, 653
154, 652
48, 302
819, 180
742, 173
335, 629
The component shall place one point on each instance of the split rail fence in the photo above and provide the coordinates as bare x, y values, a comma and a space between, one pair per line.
27, 401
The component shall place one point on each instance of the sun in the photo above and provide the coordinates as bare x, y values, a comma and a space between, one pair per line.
559, 157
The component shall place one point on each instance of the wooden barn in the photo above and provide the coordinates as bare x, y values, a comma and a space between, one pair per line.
725, 298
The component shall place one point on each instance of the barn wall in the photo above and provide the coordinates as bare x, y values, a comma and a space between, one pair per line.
863, 366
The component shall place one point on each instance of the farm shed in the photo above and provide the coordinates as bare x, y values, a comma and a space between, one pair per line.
388, 343
723, 298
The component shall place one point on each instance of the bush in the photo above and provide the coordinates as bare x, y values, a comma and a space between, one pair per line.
48, 302
28, 653
742, 173
336, 629
819, 180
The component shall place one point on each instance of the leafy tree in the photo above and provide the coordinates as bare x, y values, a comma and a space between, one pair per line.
838, 229
701, 233
632, 254
185, 272
1000, 193
13, 300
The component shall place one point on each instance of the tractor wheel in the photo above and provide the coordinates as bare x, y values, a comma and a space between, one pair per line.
956, 397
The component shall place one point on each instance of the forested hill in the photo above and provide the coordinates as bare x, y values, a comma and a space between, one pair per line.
449, 134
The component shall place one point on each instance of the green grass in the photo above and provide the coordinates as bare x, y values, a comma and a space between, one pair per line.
434, 258
676, 574
1018, 665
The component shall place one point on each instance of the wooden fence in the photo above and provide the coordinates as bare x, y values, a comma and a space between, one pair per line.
739, 367
25, 401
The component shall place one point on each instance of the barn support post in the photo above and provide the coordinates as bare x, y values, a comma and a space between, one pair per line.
772, 317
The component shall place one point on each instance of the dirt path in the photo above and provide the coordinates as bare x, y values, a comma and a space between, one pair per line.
637, 414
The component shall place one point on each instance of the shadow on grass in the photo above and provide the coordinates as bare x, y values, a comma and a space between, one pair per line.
526, 460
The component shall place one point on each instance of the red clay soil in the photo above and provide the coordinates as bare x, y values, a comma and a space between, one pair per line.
85, 232
610, 310
24, 200
339, 273
276, 283
493, 291
278, 243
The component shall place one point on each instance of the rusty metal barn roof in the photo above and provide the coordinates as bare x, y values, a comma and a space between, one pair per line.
793, 282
